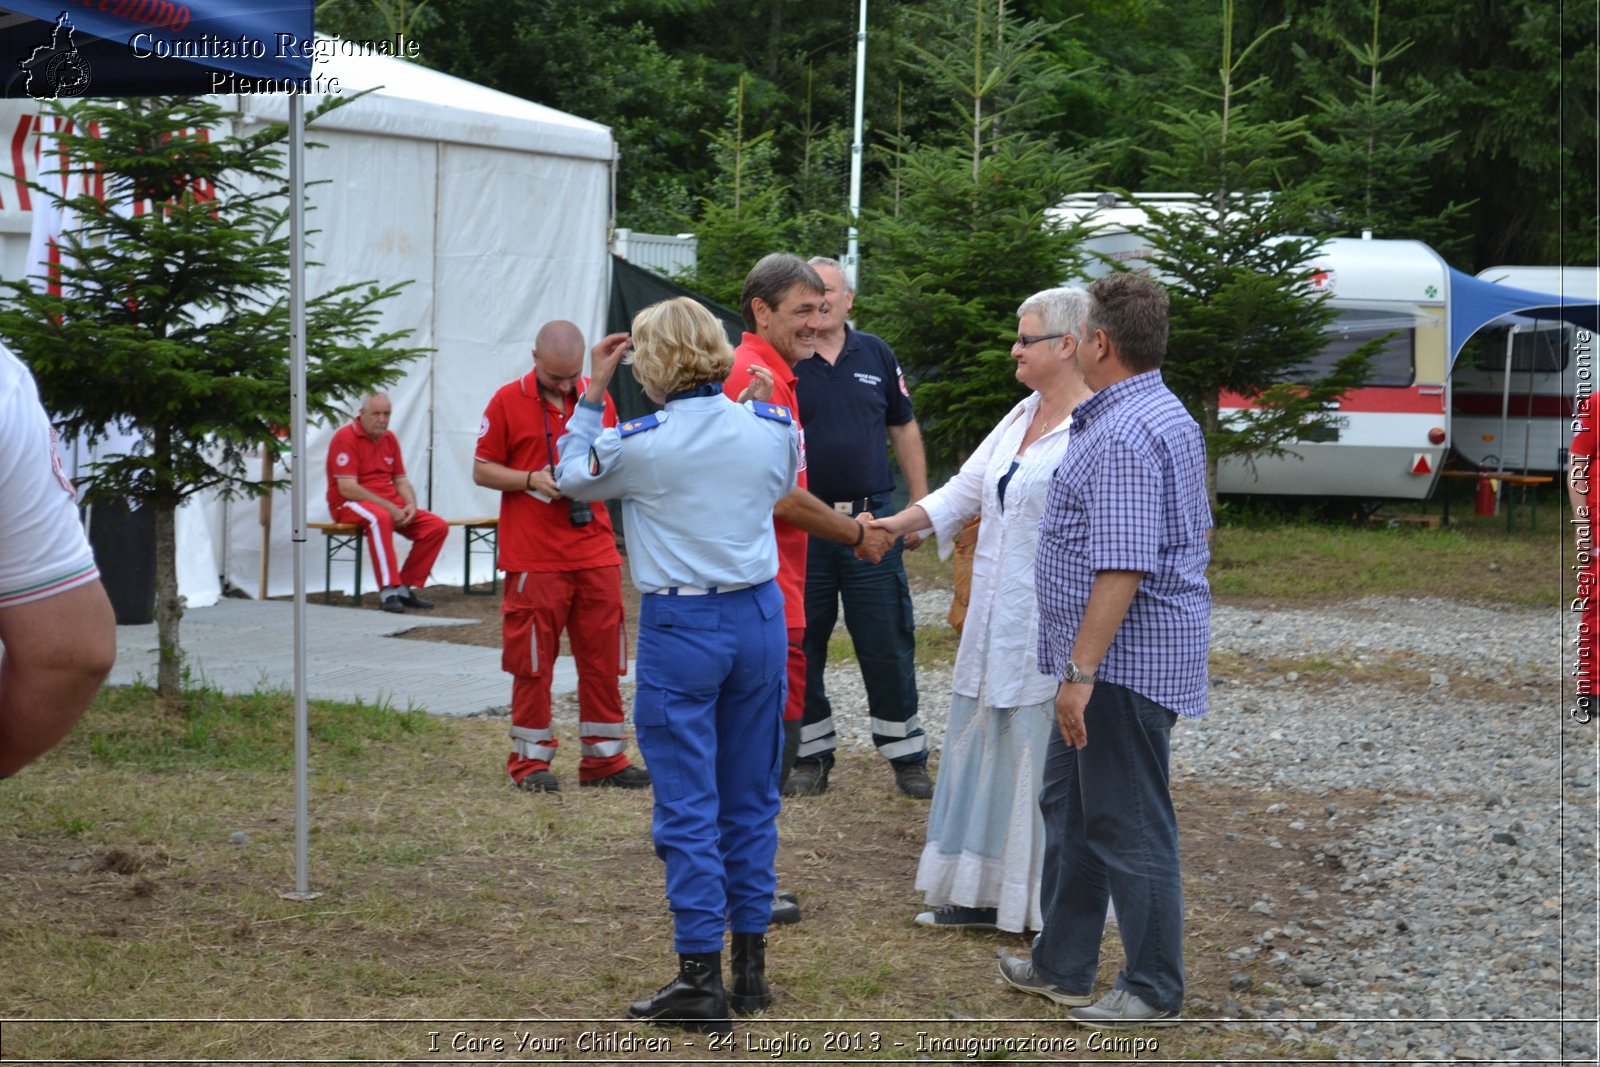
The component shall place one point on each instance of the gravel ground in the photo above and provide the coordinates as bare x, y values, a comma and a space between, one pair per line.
1465, 927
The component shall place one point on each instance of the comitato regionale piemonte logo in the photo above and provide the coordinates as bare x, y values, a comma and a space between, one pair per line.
58, 69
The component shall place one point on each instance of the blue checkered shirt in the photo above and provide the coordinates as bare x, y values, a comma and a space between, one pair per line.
1130, 495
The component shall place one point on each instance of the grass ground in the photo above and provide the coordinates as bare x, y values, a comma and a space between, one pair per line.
142, 862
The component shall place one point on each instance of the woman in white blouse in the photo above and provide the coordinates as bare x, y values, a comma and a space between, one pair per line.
981, 864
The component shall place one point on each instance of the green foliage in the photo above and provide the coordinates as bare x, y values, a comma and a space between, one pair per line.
744, 215
967, 236
171, 315
1244, 316
254, 731
947, 272
1374, 155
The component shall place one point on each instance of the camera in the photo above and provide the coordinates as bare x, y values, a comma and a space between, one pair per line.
579, 513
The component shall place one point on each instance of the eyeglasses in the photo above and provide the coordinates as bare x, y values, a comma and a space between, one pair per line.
1026, 339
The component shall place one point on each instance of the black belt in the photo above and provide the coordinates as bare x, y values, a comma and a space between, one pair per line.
853, 508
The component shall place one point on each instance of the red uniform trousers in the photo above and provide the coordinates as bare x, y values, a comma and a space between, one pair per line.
795, 705
426, 530
538, 606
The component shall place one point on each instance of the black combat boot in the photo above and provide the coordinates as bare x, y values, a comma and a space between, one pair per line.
694, 1000
749, 966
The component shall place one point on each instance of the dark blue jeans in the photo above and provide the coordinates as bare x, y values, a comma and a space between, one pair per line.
1109, 830
877, 612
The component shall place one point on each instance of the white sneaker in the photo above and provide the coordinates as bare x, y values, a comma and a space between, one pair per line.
1122, 1008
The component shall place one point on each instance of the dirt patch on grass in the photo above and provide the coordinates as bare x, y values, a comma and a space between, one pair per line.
447, 895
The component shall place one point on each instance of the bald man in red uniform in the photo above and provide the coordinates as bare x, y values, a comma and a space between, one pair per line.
563, 573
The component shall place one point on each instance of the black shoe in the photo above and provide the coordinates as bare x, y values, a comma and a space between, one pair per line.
785, 909
391, 604
958, 917
913, 780
411, 600
539, 782
747, 966
694, 1000
808, 779
629, 777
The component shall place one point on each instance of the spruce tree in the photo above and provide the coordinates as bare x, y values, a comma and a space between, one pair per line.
968, 234
1245, 318
169, 314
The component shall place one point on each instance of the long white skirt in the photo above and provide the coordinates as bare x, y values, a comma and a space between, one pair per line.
985, 836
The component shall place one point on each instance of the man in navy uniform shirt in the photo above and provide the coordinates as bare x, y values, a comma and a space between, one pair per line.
851, 395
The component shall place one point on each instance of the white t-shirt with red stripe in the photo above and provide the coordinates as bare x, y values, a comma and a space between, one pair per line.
43, 550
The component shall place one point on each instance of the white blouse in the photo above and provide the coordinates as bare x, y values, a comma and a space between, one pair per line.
997, 661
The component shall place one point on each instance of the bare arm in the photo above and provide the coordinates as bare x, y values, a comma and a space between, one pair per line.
906, 440
800, 508
504, 479
902, 523
1109, 599
57, 652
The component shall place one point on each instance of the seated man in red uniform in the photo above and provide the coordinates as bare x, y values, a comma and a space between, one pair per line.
367, 485
563, 572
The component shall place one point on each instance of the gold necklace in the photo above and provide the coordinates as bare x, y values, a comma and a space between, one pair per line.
1048, 423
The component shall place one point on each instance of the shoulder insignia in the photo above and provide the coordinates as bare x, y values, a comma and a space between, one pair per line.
775, 412
640, 425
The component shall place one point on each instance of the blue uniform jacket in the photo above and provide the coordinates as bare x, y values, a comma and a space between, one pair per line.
697, 481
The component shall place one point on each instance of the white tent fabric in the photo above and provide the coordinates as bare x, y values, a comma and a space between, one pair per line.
499, 209
495, 208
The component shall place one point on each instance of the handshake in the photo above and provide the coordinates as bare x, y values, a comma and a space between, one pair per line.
879, 535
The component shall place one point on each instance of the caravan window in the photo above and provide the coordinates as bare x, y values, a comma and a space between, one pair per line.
1395, 362
1540, 347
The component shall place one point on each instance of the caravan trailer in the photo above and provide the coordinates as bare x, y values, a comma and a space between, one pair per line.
1386, 439
1514, 384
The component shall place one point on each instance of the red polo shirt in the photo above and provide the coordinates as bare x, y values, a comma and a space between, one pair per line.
791, 539
373, 463
534, 535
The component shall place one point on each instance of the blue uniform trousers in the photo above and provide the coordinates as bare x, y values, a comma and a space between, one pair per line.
877, 612
708, 713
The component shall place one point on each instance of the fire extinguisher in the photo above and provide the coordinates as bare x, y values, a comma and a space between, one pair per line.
1487, 490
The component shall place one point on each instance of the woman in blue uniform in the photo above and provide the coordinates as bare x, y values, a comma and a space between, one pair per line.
697, 482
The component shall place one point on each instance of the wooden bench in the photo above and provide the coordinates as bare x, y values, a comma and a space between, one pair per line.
343, 543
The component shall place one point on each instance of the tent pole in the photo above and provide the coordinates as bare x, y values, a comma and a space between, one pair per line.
297, 464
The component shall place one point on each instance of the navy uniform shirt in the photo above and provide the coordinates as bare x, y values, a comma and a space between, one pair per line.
846, 407
697, 481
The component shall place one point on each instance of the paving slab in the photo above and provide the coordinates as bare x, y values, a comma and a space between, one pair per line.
243, 646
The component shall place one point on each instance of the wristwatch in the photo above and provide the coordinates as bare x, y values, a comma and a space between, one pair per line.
1075, 675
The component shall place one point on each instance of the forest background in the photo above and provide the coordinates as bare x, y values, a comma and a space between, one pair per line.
1469, 124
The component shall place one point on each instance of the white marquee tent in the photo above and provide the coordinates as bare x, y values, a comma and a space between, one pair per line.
496, 208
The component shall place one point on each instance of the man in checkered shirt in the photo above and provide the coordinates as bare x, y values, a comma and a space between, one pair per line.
1125, 617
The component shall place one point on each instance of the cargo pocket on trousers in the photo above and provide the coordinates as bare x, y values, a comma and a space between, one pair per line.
654, 738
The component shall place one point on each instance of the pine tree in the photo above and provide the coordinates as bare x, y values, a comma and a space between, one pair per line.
969, 235
744, 216
1244, 314
1375, 156
169, 314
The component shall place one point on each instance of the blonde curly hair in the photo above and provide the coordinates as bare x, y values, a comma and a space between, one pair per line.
678, 345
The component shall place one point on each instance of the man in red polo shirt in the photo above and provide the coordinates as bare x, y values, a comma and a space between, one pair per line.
782, 307
367, 485
562, 573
